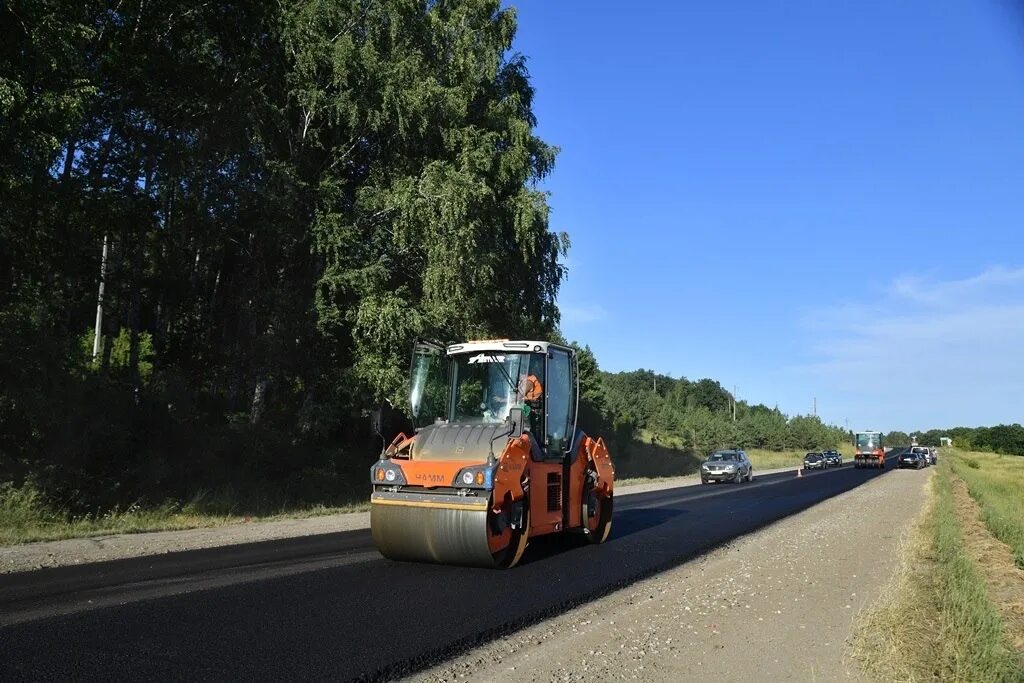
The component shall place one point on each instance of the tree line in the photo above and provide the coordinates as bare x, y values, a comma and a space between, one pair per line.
700, 415
276, 197
1007, 439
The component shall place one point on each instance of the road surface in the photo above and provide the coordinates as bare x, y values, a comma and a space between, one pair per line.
330, 607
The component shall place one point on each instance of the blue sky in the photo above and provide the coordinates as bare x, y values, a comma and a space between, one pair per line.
801, 199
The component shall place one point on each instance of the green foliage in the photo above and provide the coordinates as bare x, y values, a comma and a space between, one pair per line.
120, 356
1008, 439
291, 192
897, 438
698, 415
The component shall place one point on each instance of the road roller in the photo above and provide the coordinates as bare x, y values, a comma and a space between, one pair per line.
496, 457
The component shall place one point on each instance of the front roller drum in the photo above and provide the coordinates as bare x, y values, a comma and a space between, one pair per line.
445, 529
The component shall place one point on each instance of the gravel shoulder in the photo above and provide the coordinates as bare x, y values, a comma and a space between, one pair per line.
29, 556
778, 604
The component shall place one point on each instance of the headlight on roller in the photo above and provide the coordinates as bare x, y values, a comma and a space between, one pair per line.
477, 477
387, 472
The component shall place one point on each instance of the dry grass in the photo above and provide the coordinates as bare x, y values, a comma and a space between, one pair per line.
997, 483
25, 517
770, 460
892, 641
937, 619
1005, 580
641, 461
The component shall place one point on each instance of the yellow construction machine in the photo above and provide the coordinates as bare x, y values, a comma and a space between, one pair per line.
498, 458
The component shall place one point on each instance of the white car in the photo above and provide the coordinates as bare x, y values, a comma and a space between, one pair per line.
924, 451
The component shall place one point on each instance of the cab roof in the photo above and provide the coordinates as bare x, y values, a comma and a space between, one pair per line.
506, 345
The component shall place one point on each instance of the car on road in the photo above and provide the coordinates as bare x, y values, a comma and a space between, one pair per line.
727, 465
912, 458
834, 457
815, 461
924, 452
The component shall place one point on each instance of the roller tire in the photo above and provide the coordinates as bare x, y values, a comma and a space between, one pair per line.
603, 528
513, 552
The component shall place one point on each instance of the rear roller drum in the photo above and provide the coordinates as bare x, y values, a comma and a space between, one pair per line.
597, 518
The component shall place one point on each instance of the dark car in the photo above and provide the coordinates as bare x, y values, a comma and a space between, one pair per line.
815, 461
911, 459
727, 465
834, 457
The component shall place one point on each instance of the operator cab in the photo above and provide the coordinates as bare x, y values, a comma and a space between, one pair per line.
481, 382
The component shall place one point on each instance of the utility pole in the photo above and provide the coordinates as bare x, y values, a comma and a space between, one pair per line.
99, 301
734, 402
815, 406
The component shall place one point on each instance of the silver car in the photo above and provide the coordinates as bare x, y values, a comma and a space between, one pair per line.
727, 465
815, 461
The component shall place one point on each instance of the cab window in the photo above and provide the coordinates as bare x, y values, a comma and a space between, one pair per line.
559, 391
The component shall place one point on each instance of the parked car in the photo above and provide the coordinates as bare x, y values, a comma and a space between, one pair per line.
815, 461
923, 451
727, 465
912, 458
834, 457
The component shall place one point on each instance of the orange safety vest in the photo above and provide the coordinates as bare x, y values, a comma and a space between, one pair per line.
533, 390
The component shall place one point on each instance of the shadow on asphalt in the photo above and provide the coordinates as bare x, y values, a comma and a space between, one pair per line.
626, 523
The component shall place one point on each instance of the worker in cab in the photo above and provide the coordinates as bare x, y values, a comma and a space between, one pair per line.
530, 388
531, 391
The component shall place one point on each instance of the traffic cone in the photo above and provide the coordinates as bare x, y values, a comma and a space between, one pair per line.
799, 472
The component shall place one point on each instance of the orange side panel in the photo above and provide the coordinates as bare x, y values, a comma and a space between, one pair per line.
512, 464
576, 475
598, 454
544, 520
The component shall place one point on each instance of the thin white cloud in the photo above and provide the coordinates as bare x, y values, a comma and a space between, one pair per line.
927, 351
583, 314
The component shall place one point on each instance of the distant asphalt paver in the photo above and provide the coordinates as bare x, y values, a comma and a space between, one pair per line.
330, 606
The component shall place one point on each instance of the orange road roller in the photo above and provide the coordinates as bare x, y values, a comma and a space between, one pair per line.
498, 460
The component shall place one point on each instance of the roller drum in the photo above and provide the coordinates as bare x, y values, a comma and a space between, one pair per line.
431, 528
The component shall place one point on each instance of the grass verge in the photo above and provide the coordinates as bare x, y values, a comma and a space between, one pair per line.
936, 621
996, 482
25, 516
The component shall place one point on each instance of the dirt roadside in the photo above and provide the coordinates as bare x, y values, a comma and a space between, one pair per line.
29, 556
776, 605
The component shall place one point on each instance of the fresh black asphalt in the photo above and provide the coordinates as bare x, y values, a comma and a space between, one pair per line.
329, 607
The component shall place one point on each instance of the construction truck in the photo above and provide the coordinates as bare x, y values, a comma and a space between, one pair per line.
497, 457
868, 450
